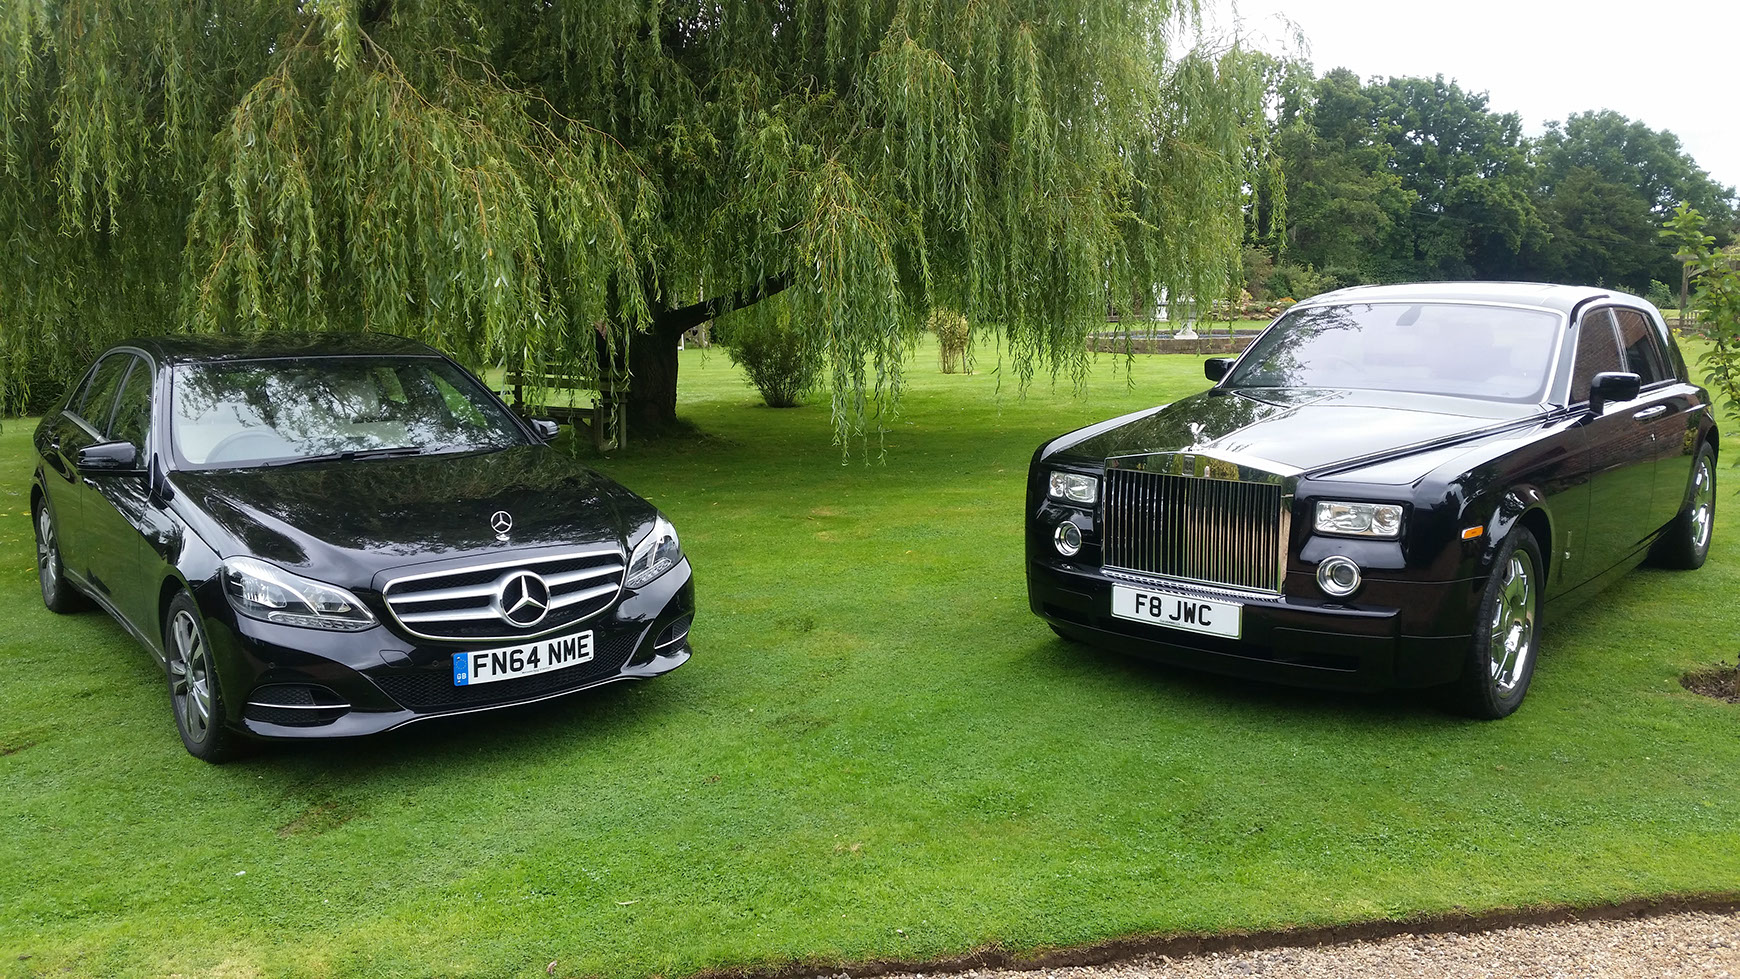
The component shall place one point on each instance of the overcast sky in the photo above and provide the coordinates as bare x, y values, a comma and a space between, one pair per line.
1542, 59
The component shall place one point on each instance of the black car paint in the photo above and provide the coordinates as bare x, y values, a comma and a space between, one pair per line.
1595, 487
134, 537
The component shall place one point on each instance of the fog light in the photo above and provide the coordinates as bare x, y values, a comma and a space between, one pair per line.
1338, 576
1068, 539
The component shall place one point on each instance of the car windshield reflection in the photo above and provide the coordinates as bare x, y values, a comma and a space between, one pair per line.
1457, 349
276, 412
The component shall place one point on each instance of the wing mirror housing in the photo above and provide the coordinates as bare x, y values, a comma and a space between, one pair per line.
546, 429
115, 457
1216, 368
1612, 387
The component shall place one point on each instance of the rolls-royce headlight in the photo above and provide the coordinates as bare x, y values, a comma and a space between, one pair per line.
262, 591
1359, 519
1074, 487
657, 553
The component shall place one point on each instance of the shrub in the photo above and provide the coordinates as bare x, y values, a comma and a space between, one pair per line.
781, 362
1297, 280
952, 336
1660, 296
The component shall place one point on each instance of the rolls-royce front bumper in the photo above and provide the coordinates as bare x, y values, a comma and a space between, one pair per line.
1391, 634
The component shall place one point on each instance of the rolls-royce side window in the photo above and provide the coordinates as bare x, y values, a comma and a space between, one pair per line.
97, 401
1643, 351
1597, 351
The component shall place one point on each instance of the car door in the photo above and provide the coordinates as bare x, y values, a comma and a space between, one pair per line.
84, 421
115, 504
1619, 458
1668, 407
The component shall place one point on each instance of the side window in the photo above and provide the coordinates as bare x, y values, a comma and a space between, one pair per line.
133, 408
1644, 354
98, 397
1597, 351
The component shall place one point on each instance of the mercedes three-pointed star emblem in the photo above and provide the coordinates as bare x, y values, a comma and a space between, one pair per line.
501, 522
523, 600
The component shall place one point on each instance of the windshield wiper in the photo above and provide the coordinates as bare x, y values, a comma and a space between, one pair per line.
352, 454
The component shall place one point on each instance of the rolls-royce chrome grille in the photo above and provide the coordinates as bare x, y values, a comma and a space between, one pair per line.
1196, 519
528, 596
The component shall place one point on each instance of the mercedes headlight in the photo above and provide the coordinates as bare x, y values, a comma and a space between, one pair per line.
262, 591
1073, 487
1359, 519
657, 553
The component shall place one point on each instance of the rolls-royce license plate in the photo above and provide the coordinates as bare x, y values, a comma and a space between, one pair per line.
542, 656
1185, 612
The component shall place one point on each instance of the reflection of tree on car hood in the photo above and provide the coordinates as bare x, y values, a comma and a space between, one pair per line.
327, 511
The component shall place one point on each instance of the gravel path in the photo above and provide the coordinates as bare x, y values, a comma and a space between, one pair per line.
1691, 944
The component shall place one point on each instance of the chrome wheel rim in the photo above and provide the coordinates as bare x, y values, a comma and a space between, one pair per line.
1513, 624
47, 561
1703, 504
190, 676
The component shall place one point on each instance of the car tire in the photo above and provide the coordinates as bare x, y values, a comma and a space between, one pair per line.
58, 594
1503, 650
1686, 542
195, 696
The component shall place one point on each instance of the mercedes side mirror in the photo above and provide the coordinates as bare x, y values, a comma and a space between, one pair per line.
115, 457
1609, 387
546, 429
1216, 368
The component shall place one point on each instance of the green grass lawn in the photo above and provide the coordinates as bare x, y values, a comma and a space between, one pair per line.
877, 751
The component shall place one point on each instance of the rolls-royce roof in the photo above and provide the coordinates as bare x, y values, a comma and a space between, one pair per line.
1544, 295
178, 349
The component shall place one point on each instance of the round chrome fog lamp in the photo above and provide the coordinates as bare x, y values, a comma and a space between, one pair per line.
1067, 538
1338, 576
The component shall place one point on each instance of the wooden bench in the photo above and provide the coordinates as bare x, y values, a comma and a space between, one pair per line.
604, 419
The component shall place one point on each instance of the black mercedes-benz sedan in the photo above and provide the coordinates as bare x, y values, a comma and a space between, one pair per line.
328, 536
1389, 488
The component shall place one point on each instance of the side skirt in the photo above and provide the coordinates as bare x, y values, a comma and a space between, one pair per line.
155, 647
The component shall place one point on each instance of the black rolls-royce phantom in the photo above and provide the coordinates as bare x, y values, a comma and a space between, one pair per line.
330, 536
1389, 488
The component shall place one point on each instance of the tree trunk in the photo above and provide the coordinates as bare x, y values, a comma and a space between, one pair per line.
651, 405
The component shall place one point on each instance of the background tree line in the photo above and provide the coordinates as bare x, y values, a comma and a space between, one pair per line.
1403, 179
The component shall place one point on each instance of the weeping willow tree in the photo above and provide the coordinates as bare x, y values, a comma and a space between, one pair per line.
572, 184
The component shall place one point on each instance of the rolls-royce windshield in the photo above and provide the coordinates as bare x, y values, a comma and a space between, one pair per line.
1458, 349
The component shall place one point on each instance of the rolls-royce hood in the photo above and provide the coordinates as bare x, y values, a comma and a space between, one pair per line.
1295, 429
350, 519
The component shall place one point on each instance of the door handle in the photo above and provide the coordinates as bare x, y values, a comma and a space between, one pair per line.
1648, 413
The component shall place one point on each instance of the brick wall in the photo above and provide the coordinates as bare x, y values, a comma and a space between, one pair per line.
1202, 346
